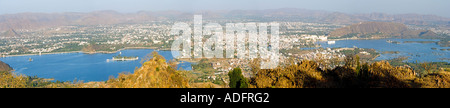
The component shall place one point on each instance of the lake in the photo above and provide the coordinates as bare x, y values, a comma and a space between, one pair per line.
421, 52
94, 67
80, 66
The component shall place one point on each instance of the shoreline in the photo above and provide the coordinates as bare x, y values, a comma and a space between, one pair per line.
379, 39
96, 52
112, 52
359, 39
43, 54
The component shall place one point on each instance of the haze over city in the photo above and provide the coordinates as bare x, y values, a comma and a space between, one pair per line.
434, 7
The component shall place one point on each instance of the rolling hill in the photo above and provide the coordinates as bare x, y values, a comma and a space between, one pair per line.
42, 20
379, 30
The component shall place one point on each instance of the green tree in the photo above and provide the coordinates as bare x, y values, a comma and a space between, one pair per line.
237, 80
358, 65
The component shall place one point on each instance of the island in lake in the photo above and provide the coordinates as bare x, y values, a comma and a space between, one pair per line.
124, 58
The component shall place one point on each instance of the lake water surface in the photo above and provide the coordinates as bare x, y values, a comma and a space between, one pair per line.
94, 67
421, 52
80, 66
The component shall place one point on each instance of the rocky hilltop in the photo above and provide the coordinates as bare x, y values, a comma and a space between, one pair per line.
379, 30
4, 67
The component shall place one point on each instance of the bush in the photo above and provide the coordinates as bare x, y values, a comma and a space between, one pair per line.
237, 80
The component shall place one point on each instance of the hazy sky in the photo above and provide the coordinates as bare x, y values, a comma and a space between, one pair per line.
436, 7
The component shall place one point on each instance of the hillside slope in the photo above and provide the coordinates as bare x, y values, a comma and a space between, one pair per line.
4, 67
379, 30
154, 73
43, 20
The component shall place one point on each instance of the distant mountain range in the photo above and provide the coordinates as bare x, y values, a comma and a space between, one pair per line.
13, 22
379, 30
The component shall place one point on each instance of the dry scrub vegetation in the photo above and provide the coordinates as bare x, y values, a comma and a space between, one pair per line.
157, 73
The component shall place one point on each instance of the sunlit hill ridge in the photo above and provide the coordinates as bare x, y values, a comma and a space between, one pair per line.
157, 73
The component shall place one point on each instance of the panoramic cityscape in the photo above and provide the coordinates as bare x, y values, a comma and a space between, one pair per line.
311, 48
